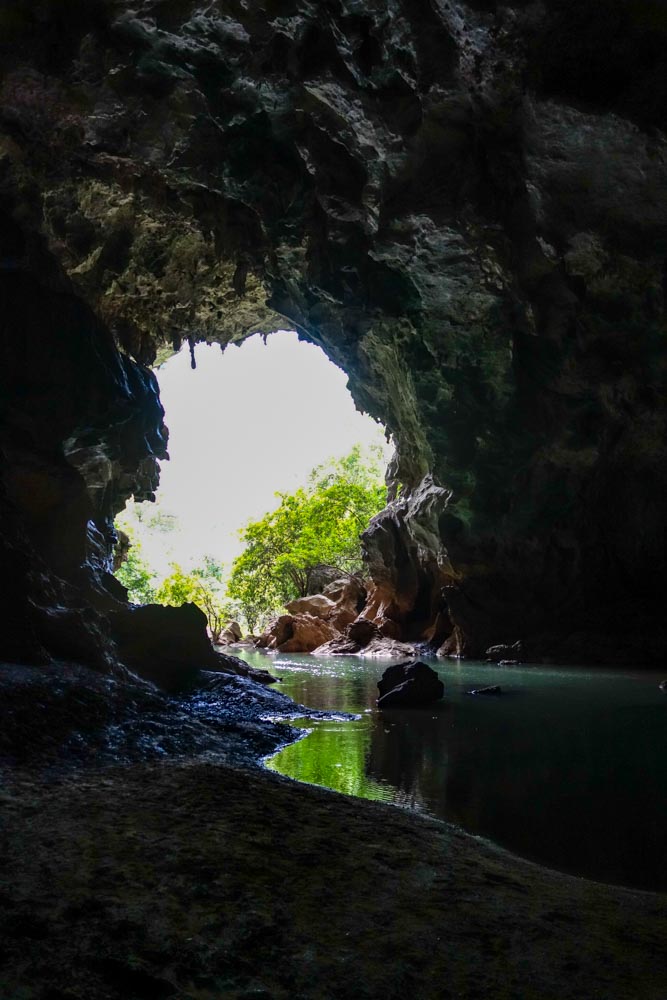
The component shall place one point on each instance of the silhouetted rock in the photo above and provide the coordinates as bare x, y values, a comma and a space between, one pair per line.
166, 645
408, 685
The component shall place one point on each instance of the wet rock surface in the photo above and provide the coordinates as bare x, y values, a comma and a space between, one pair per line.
409, 685
65, 715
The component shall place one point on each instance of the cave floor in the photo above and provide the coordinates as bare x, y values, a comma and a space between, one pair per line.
200, 881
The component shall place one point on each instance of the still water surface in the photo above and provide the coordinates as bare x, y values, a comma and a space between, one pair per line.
568, 767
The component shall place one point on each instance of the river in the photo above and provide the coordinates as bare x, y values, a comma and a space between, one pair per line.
568, 767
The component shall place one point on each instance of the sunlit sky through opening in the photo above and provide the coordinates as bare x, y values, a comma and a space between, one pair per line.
243, 425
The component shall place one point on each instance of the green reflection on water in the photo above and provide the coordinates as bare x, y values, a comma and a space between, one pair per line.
336, 757
568, 767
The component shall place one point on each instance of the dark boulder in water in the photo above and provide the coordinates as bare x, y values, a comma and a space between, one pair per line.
407, 685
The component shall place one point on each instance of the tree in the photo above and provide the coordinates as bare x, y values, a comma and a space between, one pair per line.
317, 524
136, 575
201, 586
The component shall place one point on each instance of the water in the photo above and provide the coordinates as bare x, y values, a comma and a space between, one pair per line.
568, 767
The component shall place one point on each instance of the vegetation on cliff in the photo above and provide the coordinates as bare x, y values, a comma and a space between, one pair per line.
318, 525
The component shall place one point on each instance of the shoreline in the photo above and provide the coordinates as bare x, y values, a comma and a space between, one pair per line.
210, 877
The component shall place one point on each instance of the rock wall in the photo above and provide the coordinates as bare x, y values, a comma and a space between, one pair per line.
463, 204
80, 428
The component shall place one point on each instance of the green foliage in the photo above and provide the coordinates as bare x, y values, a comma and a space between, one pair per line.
136, 575
314, 526
201, 586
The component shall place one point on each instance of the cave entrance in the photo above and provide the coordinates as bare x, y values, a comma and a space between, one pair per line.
245, 424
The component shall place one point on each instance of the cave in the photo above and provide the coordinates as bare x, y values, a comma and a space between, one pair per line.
463, 204
492, 299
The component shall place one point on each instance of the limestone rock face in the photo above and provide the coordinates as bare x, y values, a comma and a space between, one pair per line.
231, 634
296, 633
463, 204
314, 604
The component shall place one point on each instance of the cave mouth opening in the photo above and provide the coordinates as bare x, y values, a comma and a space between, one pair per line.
250, 422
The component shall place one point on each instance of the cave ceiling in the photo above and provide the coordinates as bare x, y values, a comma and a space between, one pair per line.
464, 205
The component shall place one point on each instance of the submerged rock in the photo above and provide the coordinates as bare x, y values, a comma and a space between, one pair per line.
407, 685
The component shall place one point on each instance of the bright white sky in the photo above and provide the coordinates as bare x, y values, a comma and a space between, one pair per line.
244, 424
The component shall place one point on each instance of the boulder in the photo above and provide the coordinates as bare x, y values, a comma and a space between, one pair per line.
339, 604
279, 630
235, 630
315, 604
320, 577
338, 647
409, 685
349, 597
300, 633
348, 590
308, 632
231, 634
168, 646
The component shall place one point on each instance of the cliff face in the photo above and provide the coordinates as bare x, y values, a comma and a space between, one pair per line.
464, 205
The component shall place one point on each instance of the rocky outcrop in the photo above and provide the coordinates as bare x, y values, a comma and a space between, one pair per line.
339, 604
329, 625
376, 645
462, 204
409, 685
299, 633
168, 646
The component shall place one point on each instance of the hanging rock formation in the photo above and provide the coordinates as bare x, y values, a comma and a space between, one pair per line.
464, 205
